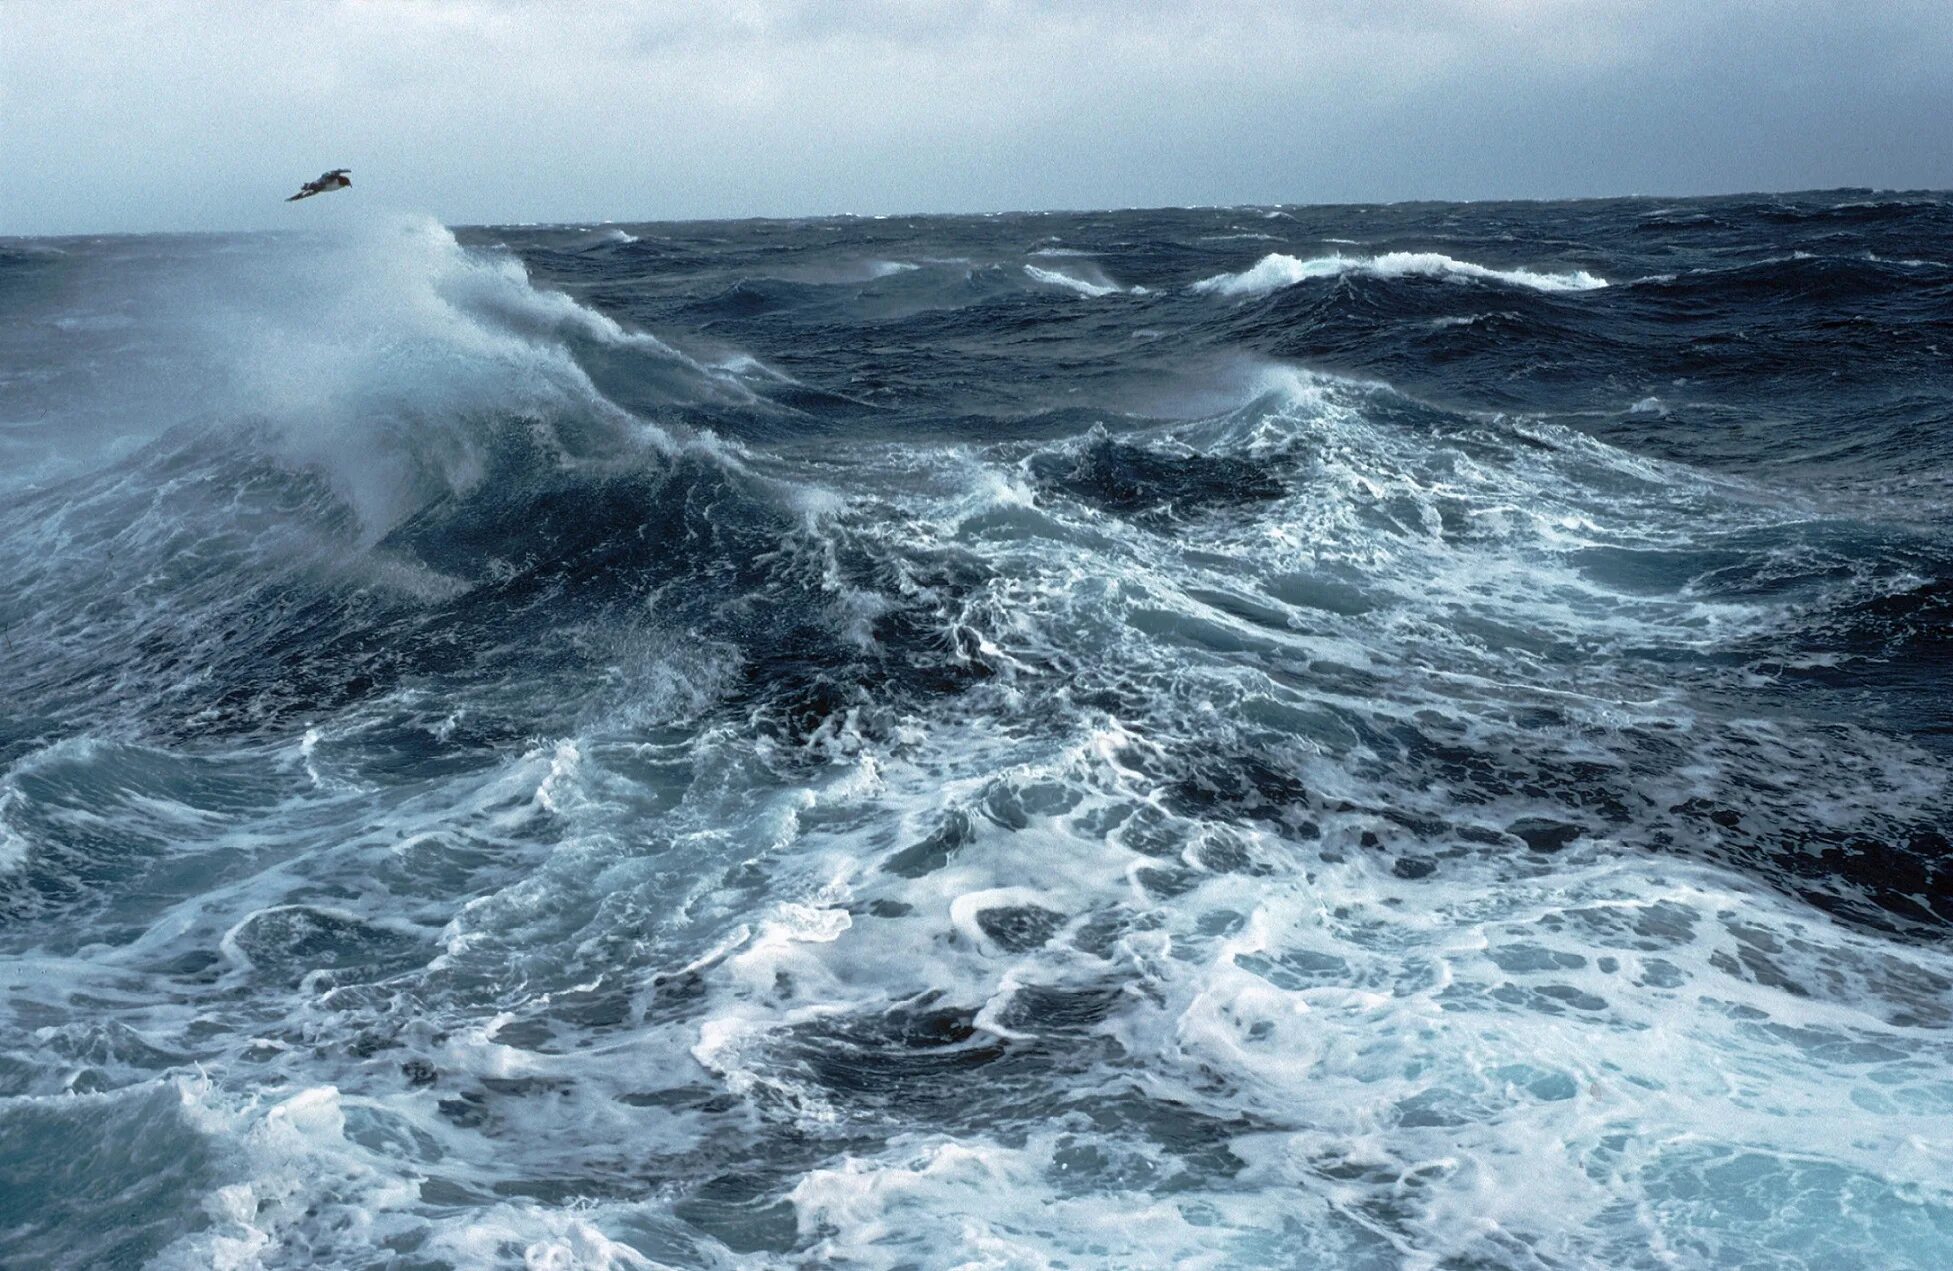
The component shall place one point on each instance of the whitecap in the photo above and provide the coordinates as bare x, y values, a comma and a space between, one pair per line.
14, 847
1083, 286
1277, 270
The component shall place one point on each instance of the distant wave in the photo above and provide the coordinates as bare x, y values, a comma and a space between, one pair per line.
1083, 286
1276, 270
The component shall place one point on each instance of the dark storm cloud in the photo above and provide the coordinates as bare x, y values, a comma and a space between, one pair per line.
193, 115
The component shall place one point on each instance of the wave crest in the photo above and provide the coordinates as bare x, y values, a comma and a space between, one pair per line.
1277, 270
1083, 286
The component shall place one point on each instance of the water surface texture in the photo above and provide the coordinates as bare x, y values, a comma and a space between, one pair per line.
1358, 737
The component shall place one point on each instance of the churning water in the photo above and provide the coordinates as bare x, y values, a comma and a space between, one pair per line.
1353, 737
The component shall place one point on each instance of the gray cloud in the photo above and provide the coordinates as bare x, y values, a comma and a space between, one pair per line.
171, 114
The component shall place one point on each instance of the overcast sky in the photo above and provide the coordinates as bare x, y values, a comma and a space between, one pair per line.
202, 114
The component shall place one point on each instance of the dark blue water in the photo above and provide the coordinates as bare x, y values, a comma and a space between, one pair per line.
1408, 736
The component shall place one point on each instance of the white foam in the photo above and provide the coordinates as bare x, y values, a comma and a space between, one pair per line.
380, 356
14, 848
1083, 286
299, 1165
1277, 270
976, 1203
544, 1239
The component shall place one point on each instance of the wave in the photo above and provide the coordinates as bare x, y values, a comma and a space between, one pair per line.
1801, 273
1083, 286
380, 358
410, 455
391, 357
1277, 270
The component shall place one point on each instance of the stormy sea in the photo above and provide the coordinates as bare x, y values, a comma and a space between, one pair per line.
1408, 736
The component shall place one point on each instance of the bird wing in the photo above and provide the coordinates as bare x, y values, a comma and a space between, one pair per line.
325, 182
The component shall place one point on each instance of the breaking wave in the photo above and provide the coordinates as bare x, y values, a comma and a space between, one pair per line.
1083, 286
1277, 270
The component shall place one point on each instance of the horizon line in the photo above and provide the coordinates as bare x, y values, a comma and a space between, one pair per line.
1046, 211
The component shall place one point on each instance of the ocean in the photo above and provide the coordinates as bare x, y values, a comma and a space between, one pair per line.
1407, 736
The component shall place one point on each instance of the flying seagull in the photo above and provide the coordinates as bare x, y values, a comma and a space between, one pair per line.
333, 180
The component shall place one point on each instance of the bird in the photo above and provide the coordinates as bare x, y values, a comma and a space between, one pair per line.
333, 180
